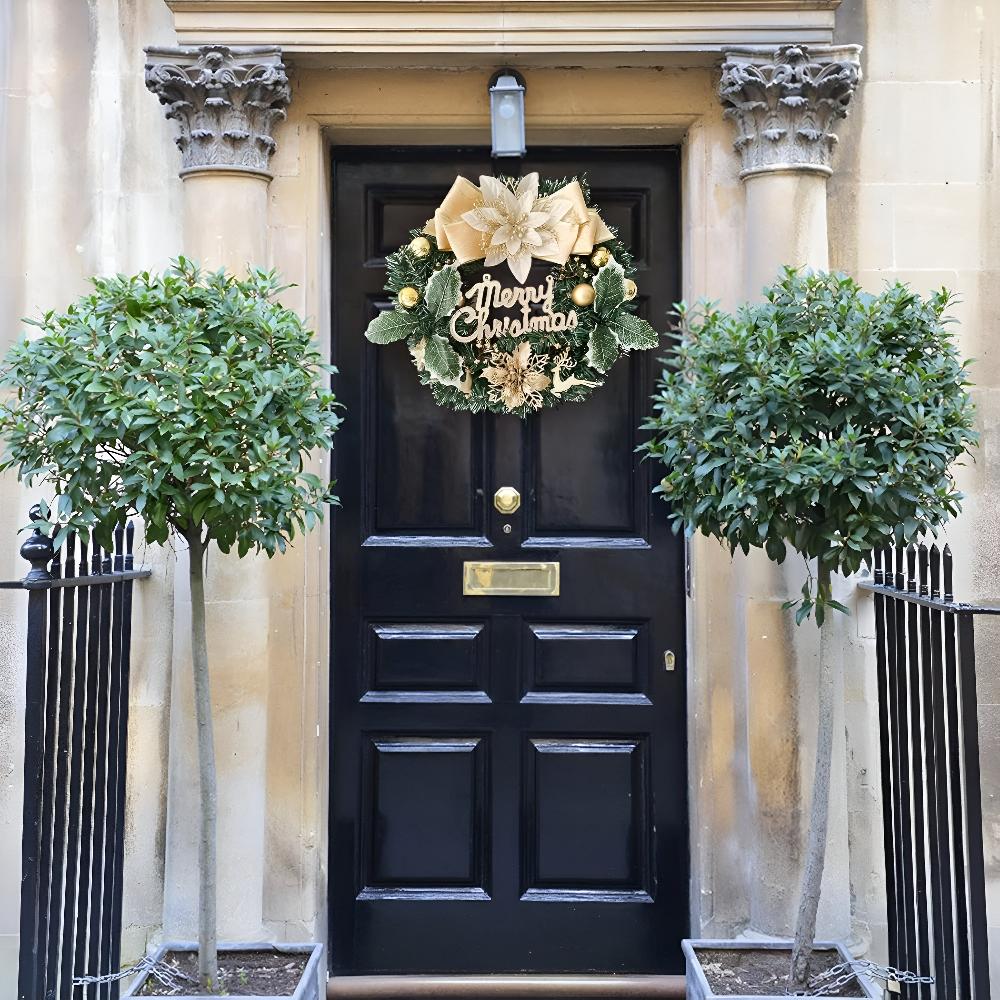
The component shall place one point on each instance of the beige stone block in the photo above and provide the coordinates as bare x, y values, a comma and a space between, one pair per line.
229, 578
761, 578
153, 230
989, 757
289, 255
717, 753
772, 700
286, 571
861, 226
148, 749
286, 159
975, 537
9, 944
937, 227
896, 145
925, 40
288, 200
988, 672
922, 281
293, 824
979, 322
238, 639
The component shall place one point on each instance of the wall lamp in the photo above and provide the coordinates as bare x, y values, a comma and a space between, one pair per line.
507, 112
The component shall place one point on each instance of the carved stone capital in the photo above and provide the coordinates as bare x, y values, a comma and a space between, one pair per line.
226, 102
786, 101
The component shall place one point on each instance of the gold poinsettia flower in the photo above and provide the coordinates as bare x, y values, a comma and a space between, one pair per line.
516, 225
516, 379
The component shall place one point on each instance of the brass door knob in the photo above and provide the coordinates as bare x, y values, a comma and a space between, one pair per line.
506, 500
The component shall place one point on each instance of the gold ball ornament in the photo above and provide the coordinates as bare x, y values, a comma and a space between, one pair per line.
631, 289
420, 246
582, 295
600, 257
408, 297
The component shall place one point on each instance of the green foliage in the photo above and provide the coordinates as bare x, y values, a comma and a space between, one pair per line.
602, 351
632, 332
441, 358
609, 289
188, 398
444, 292
824, 418
389, 326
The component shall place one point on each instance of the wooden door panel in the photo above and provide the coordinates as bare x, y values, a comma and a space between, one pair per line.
585, 663
587, 816
427, 662
584, 480
426, 475
392, 211
424, 823
507, 774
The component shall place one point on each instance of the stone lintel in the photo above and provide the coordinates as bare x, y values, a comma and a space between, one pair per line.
785, 103
226, 102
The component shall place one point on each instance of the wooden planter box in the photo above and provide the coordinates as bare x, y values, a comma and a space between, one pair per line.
697, 983
311, 986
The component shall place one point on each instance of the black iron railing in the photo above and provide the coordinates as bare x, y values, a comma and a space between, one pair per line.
76, 728
932, 799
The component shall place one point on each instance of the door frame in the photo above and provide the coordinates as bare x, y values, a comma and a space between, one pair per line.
650, 984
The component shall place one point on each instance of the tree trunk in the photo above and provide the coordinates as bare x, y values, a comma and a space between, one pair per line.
208, 959
812, 876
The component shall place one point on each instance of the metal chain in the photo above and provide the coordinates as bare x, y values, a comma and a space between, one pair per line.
827, 983
166, 975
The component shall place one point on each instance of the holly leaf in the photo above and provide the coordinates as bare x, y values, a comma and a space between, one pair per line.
389, 326
633, 333
443, 292
609, 288
602, 352
441, 359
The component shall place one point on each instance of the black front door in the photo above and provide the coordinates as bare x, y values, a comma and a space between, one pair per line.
508, 773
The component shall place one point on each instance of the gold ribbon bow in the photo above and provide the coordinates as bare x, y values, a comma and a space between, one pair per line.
501, 224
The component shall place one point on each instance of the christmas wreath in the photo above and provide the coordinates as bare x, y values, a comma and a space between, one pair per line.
482, 345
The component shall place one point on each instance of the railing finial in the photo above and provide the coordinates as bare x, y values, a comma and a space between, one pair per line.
38, 551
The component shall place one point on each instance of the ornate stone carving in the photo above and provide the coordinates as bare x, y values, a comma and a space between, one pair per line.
786, 101
226, 102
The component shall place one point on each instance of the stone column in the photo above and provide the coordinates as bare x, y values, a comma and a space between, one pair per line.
785, 103
226, 103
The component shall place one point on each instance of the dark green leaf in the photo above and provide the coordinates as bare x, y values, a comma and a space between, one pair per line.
389, 326
633, 333
609, 288
443, 292
441, 358
603, 350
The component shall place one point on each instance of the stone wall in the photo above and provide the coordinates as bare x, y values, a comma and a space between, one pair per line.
89, 185
916, 197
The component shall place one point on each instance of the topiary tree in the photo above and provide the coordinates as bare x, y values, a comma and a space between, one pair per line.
189, 399
823, 419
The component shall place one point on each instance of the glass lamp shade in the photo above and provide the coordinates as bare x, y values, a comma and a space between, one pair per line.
507, 113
